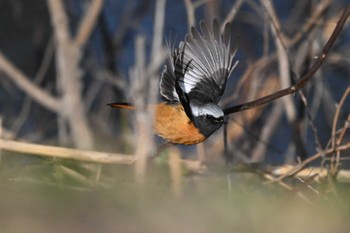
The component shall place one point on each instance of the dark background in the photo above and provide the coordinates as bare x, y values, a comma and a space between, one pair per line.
54, 195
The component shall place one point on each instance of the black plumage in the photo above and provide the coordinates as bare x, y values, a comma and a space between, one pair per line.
200, 66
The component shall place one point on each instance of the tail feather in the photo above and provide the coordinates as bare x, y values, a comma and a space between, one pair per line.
122, 105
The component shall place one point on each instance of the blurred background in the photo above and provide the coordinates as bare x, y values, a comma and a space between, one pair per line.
62, 62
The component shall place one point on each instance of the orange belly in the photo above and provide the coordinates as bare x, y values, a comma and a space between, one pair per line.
172, 124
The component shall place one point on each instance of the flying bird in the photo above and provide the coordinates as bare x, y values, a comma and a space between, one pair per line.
192, 82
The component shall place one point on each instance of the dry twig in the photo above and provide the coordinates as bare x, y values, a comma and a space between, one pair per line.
23, 82
144, 91
65, 153
68, 56
301, 83
335, 143
319, 173
318, 155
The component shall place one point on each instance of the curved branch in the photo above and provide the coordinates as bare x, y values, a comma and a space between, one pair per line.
25, 84
301, 83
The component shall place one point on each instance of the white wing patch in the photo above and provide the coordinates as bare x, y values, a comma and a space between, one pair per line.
190, 80
205, 56
207, 109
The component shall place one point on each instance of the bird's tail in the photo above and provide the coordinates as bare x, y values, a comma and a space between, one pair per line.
122, 105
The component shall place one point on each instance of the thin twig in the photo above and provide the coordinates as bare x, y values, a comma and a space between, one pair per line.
336, 116
342, 176
318, 155
311, 122
307, 27
88, 22
26, 105
232, 14
301, 83
335, 142
343, 131
23, 82
273, 120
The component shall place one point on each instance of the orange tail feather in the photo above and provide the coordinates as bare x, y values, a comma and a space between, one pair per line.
122, 105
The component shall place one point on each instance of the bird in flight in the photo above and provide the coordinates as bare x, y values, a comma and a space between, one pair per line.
192, 82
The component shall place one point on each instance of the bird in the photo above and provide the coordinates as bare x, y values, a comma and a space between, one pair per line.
191, 85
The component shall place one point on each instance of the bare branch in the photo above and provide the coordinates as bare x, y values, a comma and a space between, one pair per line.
336, 116
82, 155
59, 20
232, 14
190, 13
158, 29
65, 153
318, 155
143, 143
258, 154
67, 59
39, 76
301, 83
23, 82
88, 23
283, 59
343, 176
321, 7
334, 142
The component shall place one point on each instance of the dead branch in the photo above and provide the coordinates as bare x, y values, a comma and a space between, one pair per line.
284, 68
82, 155
39, 76
143, 130
144, 91
301, 83
65, 153
232, 14
334, 142
23, 82
283, 59
336, 117
318, 173
88, 23
190, 13
318, 155
320, 9
68, 56
236, 130
258, 153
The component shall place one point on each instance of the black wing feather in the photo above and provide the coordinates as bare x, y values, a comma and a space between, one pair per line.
200, 66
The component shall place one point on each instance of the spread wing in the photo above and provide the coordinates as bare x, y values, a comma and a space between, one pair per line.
169, 77
208, 57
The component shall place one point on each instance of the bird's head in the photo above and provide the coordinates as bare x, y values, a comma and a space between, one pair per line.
207, 117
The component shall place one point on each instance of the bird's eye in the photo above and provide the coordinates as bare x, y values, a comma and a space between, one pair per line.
209, 117
213, 119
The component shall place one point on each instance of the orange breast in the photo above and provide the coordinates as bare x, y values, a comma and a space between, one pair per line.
173, 125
